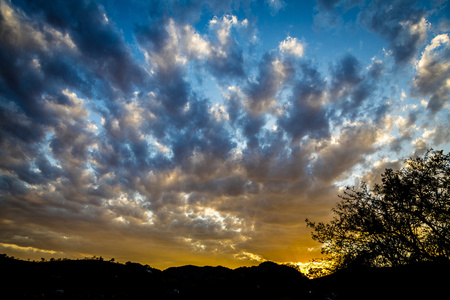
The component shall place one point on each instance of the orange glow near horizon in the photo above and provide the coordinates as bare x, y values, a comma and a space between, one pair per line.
245, 259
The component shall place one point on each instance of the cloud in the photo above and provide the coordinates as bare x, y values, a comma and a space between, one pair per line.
346, 75
433, 73
187, 11
345, 151
94, 38
329, 12
291, 46
227, 60
352, 87
306, 113
168, 44
275, 5
46, 109
274, 72
403, 25
440, 134
379, 167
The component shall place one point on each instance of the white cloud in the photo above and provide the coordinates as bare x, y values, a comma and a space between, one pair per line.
225, 24
430, 51
403, 96
418, 29
196, 46
292, 46
433, 73
219, 112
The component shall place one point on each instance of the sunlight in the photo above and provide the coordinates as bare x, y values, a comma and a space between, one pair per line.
249, 256
312, 269
27, 249
122, 220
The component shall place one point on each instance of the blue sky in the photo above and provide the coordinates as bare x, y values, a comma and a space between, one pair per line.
205, 132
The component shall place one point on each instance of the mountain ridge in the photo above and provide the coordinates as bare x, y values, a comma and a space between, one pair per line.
98, 279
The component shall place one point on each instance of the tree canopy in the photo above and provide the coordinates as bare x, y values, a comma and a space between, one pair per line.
404, 219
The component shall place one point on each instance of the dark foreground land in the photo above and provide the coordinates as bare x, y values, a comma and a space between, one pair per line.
96, 279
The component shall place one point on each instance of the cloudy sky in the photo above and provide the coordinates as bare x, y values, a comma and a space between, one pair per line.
205, 132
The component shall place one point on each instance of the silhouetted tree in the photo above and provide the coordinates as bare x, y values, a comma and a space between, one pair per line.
404, 219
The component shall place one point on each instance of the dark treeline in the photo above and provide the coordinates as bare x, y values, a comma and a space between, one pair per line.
100, 279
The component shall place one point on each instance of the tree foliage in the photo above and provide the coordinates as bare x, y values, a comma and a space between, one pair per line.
404, 219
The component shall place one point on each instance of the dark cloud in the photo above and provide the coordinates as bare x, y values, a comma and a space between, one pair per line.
306, 114
101, 45
353, 144
352, 87
442, 135
376, 70
251, 127
56, 59
230, 67
345, 73
264, 160
274, 73
55, 55
401, 23
346, 84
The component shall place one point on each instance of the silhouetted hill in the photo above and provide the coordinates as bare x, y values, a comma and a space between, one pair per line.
266, 281
428, 280
76, 279
96, 279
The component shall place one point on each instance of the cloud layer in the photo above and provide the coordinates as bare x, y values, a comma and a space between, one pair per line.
173, 143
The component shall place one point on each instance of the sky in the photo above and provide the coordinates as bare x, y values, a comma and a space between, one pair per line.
205, 132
